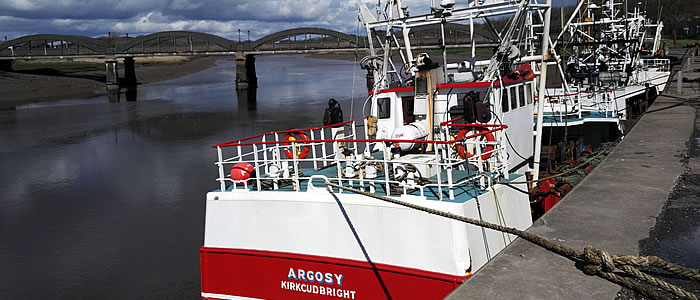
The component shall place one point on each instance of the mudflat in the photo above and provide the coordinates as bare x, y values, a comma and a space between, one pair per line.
24, 87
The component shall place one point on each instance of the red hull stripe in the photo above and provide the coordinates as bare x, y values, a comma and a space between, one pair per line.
281, 275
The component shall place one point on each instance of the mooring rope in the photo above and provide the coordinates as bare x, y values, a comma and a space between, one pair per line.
597, 262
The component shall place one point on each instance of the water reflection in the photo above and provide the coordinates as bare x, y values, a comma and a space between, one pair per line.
115, 95
247, 102
104, 198
181, 126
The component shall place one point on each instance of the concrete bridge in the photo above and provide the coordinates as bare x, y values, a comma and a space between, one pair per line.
188, 43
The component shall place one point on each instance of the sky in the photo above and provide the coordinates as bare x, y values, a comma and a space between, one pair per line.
220, 17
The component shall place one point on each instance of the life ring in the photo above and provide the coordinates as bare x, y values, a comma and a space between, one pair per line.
462, 150
291, 138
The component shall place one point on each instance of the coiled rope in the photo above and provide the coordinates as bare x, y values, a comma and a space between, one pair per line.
597, 262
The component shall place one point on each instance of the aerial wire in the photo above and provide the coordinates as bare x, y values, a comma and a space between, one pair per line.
354, 72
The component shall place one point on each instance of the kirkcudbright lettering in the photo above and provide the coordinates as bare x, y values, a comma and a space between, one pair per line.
316, 277
318, 290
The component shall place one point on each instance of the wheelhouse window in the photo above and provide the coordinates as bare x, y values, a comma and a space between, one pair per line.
528, 93
513, 97
504, 100
383, 108
521, 89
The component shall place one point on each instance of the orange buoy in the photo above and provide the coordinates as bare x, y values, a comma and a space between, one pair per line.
463, 153
302, 151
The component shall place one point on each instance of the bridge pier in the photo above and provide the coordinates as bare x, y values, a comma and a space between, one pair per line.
129, 71
111, 78
250, 71
246, 76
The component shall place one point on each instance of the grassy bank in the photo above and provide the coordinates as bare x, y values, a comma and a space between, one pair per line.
56, 67
681, 43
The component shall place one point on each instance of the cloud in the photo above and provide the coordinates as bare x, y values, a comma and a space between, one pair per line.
184, 5
221, 17
25, 5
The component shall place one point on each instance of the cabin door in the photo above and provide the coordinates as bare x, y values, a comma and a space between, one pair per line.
389, 112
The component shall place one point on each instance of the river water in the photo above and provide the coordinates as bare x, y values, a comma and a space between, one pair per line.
105, 199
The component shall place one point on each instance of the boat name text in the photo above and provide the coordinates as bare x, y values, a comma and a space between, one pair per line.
311, 276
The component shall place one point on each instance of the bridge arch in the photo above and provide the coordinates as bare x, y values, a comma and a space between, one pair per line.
23, 44
190, 36
303, 31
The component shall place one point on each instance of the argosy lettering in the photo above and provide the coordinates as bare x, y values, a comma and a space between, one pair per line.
315, 276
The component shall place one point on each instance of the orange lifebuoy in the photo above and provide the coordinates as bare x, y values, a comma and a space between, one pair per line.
463, 153
291, 138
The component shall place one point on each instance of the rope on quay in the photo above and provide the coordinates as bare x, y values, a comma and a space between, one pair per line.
597, 262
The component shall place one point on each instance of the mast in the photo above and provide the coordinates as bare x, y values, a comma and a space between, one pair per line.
405, 31
387, 47
541, 91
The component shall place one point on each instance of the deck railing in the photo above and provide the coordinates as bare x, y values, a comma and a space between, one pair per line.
662, 64
582, 97
333, 153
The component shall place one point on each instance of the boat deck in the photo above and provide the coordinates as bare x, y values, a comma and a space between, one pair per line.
553, 120
462, 192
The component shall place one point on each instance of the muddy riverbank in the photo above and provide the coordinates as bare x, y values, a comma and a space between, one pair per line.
40, 85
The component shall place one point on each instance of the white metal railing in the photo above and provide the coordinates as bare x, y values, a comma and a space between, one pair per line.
279, 163
662, 64
580, 98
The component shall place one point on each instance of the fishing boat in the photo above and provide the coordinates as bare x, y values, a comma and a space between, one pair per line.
609, 68
453, 137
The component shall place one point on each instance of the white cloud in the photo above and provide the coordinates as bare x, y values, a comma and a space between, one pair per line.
62, 22
20, 5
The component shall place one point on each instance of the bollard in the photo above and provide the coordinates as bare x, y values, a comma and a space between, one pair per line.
679, 83
688, 68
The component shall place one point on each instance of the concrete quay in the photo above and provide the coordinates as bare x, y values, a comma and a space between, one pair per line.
628, 205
